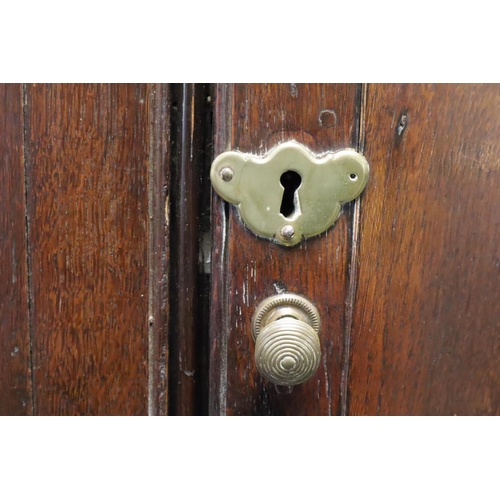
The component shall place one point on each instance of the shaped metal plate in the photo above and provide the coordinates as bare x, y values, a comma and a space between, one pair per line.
260, 189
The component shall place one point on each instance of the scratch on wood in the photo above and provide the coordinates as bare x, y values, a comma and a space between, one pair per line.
225, 333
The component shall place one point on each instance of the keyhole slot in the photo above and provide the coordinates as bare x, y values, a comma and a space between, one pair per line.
290, 181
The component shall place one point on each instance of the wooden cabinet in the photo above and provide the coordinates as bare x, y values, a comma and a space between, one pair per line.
128, 287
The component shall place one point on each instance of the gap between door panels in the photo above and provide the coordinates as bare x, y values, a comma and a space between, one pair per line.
245, 118
180, 251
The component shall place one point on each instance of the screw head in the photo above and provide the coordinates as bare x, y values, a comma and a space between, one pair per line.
288, 232
226, 174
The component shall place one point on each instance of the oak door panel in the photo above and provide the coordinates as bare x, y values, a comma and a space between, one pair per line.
87, 205
246, 269
426, 322
15, 373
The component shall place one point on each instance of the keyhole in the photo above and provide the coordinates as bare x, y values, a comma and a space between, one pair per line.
291, 181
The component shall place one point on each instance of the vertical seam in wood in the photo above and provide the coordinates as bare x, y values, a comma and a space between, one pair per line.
219, 321
353, 267
158, 247
188, 308
172, 206
228, 136
152, 407
28, 253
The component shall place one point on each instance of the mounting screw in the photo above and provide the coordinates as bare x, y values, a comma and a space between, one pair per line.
288, 232
226, 174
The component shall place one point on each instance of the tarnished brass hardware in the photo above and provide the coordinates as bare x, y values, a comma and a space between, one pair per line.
289, 194
285, 328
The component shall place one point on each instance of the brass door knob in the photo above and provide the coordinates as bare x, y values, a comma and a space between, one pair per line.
285, 328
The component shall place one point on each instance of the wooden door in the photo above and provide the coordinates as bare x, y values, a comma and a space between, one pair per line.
406, 281
95, 235
128, 287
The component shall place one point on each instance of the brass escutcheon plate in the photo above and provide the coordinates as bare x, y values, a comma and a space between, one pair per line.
289, 194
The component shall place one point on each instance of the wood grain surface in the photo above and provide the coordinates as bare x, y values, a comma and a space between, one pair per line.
103, 248
15, 373
246, 269
160, 175
87, 174
426, 323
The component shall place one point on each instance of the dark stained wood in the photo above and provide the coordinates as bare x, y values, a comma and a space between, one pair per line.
104, 284
219, 320
254, 118
15, 376
219, 325
87, 170
426, 320
187, 324
159, 246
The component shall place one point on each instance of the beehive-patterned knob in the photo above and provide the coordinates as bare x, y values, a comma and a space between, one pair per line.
287, 345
